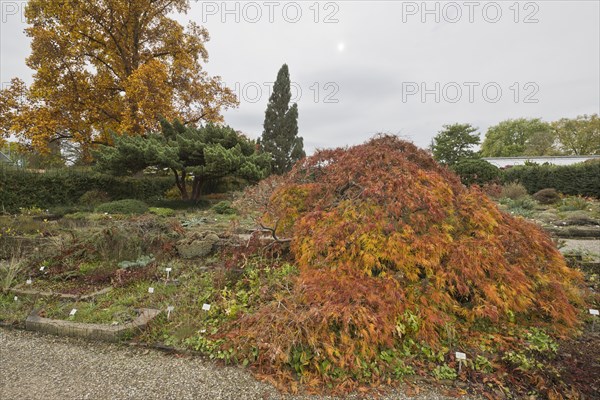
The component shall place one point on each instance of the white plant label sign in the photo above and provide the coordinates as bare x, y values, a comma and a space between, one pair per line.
168, 269
28, 281
42, 268
206, 307
169, 309
73, 312
594, 312
460, 357
150, 290
16, 298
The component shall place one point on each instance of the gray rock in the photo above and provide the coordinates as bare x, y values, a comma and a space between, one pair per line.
198, 246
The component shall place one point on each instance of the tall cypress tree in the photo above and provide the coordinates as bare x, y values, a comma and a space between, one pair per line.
280, 129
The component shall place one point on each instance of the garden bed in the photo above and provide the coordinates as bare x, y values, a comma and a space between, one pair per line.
111, 333
206, 295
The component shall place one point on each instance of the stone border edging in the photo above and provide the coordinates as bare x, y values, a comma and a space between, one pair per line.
109, 333
574, 231
32, 292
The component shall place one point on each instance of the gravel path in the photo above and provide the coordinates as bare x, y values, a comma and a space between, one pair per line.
35, 366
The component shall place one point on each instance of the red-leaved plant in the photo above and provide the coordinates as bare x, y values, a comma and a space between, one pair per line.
393, 250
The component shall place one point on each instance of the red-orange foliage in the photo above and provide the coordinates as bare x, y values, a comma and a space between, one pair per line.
381, 233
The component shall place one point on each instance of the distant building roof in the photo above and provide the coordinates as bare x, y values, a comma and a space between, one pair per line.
556, 160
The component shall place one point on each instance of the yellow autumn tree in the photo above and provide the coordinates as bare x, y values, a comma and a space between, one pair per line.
110, 65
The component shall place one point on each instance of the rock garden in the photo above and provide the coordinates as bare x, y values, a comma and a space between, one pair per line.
332, 278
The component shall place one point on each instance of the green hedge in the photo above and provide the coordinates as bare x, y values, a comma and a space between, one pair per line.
577, 179
19, 188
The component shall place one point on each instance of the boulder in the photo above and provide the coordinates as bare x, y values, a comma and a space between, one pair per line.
197, 246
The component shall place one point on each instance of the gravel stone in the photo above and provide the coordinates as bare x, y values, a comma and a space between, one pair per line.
37, 366
592, 246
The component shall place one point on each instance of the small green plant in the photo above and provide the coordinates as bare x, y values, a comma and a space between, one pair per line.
80, 215
547, 196
482, 364
537, 344
200, 342
127, 206
141, 262
195, 221
394, 359
522, 206
299, 359
117, 242
88, 268
91, 312
444, 372
162, 211
513, 191
31, 211
524, 202
540, 342
9, 269
573, 203
522, 361
430, 354
14, 311
224, 207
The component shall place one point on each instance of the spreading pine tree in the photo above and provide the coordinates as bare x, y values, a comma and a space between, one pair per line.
280, 129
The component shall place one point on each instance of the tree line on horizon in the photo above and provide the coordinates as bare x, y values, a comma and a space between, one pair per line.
518, 137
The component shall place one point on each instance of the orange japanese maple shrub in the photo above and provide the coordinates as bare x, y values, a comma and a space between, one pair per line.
393, 249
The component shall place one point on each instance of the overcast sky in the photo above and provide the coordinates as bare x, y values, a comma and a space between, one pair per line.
362, 67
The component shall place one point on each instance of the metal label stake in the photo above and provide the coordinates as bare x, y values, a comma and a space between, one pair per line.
460, 357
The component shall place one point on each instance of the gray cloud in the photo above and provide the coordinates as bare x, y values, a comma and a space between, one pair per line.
554, 62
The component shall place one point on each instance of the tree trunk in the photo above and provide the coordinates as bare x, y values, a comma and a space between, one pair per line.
197, 186
180, 181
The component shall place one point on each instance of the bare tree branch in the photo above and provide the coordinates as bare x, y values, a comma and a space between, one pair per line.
273, 233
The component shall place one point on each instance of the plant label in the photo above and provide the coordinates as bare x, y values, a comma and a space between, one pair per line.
460, 356
202, 330
206, 307
594, 312
168, 269
28, 281
150, 290
16, 298
73, 312
169, 309
42, 268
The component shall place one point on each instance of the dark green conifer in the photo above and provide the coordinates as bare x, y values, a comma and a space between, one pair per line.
280, 129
